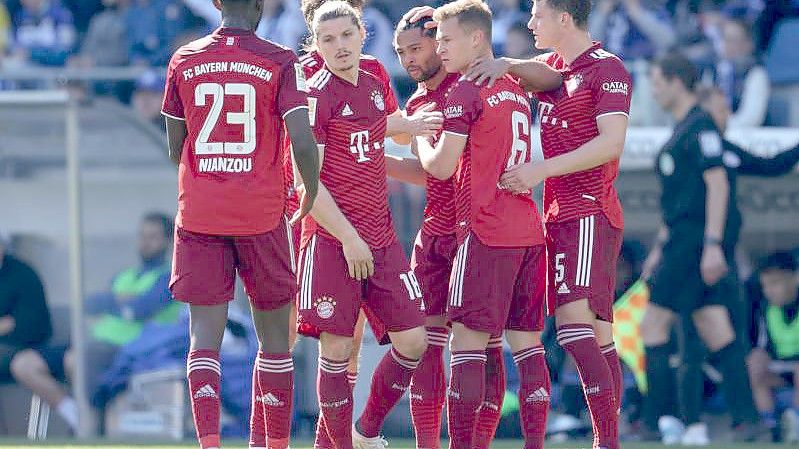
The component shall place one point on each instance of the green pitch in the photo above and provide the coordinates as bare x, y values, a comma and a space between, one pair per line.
393, 444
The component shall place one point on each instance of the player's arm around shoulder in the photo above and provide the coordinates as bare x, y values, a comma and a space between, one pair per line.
463, 107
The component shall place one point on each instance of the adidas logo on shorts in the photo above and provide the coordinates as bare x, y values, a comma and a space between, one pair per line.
270, 399
539, 395
206, 391
563, 289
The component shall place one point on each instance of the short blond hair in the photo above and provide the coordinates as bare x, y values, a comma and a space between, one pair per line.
472, 14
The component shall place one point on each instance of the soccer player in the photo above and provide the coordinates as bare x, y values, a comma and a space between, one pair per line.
583, 127
497, 282
692, 275
227, 98
350, 254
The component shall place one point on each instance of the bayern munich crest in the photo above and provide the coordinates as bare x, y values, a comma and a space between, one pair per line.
325, 306
377, 97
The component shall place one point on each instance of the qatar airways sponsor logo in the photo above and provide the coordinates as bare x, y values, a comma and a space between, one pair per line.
616, 87
454, 111
225, 165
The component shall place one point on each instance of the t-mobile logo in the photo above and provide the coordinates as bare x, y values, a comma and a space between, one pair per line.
359, 144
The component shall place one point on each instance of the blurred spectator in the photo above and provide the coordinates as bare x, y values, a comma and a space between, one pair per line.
632, 29
147, 98
153, 26
379, 38
138, 296
282, 23
82, 12
519, 42
506, 14
741, 77
774, 11
25, 329
5, 30
44, 33
689, 27
774, 360
105, 43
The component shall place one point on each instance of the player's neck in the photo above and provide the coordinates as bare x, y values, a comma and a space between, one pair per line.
485, 53
573, 46
683, 106
436, 80
236, 22
349, 75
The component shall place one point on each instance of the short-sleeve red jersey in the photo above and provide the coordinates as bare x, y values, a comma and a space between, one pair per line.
439, 212
496, 122
350, 121
311, 63
595, 84
233, 89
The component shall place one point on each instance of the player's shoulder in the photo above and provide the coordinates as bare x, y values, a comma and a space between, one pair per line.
372, 65
311, 62
418, 96
464, 88
277, 53
192, 49
606, 62
700, 120
321, 83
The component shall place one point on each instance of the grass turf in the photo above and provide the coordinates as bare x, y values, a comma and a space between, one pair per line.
393, 444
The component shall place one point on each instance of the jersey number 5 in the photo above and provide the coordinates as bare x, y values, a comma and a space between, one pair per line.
246, 117
520, 124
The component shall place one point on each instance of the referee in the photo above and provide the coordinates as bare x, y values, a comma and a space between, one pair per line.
690, 263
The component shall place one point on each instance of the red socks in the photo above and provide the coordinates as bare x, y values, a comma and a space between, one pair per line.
534, 395
389, 382
466, 393
428, 390
612, 357
204, 372
580, 342
335, 401
491, 409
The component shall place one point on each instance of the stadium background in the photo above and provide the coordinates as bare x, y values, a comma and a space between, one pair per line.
109, 56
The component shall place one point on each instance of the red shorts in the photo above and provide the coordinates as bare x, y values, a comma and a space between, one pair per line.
204, 268
329, 299
431, 262
497, 288
582, 256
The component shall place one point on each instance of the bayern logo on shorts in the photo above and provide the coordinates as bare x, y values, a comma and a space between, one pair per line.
325, 306
377, 97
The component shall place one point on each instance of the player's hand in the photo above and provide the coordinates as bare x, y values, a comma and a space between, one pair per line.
7, 324
360, 261
522, 178
487, 70
425, 121
306, 204
418, 13
713, 265
651, 263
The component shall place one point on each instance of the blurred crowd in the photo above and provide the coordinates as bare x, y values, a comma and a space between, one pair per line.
727, 39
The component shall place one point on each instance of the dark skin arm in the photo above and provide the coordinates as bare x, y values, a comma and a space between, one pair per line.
176, 134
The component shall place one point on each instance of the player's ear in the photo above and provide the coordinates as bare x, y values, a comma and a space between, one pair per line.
218, 4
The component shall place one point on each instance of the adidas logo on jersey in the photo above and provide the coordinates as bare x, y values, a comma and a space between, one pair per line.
563, 289
540, 395
206, 391
270, 399
347, 111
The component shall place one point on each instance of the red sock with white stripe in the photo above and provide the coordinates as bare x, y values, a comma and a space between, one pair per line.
612, 357
389, 382
335, 401
429, 389
322, 439
276, 382
257, 419
580, 342
466, 391
491, 409
534, 395
204, 372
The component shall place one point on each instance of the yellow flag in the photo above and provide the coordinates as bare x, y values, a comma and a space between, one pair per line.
628, 312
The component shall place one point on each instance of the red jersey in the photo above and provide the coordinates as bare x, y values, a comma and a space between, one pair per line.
496, 122
311, 63
595, 84
233, 90
350, 121
439, 212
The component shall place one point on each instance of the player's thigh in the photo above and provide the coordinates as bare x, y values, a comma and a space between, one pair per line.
581, 268
526, 312
207, 326
203, 268
482, 285
431, 262
267, 266
393, 294
328, 298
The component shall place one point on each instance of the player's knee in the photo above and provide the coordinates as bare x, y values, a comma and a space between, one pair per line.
26, 363
411, 343
336, 347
